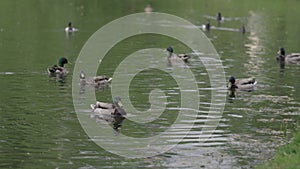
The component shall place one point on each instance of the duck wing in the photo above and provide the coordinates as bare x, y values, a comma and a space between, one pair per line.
99, 78
57, 71
246, 84
293, 55
104, 114
293, 58
245, 81
184, 57
246, 87
104, 105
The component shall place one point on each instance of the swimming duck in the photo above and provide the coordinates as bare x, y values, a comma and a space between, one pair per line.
172, 55
293, 58
108, 111
243, 29
58, 71
70, 28
219, 17
206, 27
241, 84
95, 81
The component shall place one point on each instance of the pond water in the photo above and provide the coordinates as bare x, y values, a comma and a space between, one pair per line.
39, 126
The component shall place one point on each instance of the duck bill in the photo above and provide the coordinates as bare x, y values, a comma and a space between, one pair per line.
120, 104
229, 85
279, 52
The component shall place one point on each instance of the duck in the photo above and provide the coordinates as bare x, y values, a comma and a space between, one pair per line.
241, 84
293, 58
58, 70
172, 55
206, 27
109, 111
219, 17
70, 28
243, 29
96, 81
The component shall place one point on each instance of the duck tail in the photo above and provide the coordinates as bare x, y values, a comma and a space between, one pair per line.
186, 57
254, 83
109, 79
93, 106
254, 80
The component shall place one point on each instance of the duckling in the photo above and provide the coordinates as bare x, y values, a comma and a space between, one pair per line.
58, 71
241, 84
97, 81
70, 28
293, 58
171, 55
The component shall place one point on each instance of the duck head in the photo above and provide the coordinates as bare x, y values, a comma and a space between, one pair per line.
70, 25
219, 16
117, 101
281, 58
231, 84
170, 49
62, 61
207, 25
281, 52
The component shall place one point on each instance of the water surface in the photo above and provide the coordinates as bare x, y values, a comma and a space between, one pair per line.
39, 126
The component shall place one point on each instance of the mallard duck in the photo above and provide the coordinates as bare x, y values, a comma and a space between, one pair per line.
70, 28
109, 111
95, 81
241, 84
219, 17
172, 55
243, 29
206, 27
293, 58
60, 70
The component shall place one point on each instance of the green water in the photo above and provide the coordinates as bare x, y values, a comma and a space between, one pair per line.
39, 127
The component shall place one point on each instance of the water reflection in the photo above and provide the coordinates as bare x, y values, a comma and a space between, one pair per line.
255, 49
